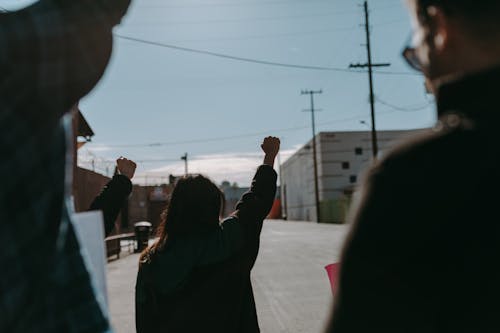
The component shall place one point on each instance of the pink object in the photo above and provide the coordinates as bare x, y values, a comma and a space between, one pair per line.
333, 272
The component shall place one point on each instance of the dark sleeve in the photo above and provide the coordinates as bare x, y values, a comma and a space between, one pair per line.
254, 206
381, 265
144, 309
239, 234
111, 200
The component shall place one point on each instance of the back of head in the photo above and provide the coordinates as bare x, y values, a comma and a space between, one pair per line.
195, 208
481, 17
115, 10
110, 12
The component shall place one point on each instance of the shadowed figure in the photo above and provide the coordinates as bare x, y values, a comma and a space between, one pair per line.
196, 276
52, 53
423, 252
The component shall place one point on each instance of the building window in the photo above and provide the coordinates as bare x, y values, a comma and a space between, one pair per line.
345, 165
358, 151
353, 179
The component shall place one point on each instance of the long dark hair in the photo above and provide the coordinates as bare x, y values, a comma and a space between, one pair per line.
195, 207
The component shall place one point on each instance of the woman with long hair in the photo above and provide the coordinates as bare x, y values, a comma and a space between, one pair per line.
196, 275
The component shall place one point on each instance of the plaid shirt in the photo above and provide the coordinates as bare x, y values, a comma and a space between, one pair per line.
51, 54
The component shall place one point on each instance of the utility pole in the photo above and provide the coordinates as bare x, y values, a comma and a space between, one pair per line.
185, 159
311, 93
279, 168
282, 196
370, 66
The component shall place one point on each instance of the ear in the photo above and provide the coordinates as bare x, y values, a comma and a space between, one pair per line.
441, 26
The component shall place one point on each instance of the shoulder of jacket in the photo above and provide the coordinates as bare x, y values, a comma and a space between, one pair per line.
230, 219
428, 150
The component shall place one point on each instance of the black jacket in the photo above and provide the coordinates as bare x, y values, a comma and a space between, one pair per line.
424, 252
111, 200
202, 283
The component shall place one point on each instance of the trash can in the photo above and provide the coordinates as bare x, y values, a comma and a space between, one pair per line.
142, 232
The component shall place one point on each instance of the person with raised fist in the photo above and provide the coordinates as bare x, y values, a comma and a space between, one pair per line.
196, 276
113, 196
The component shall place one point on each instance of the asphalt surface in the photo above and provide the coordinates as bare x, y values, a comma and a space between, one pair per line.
292, 292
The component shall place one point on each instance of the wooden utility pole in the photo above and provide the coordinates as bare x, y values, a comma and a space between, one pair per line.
311, 93
185, 159
370, 66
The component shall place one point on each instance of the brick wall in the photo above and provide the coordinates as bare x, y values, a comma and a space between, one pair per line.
87, 185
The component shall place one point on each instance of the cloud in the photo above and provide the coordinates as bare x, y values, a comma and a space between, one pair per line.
98, 148
233, 167
236, 167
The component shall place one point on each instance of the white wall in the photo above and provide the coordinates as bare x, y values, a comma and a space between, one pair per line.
333, 148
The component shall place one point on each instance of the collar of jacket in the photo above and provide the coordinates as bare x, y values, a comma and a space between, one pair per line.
475, 96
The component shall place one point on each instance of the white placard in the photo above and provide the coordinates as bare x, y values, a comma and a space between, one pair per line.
89, 229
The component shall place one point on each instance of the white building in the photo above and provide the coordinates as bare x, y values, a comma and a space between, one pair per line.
341, 157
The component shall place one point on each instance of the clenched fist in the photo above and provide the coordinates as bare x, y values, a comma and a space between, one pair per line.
126, 167
270, 146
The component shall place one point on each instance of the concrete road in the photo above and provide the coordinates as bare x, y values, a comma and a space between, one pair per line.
292, 292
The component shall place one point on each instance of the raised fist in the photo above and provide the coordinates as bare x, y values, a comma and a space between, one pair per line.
126, 167
271, 146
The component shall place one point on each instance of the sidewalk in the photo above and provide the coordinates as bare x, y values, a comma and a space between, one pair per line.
292, 292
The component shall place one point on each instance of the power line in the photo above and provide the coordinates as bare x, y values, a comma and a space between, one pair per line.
392, 73
226, 56
204, 157
215, 139
391, 22
398, 5
253, 3
226, 138
357, 117
271, 18
218, 139
255, 61
113, 161
404, 109
239, 4
258, 19
267, 36
232, 4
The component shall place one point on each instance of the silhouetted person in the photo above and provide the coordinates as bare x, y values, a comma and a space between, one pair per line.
52, 53
196, 277
424, 249
116, 192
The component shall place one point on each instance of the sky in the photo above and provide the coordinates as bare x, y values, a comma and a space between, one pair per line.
156, 103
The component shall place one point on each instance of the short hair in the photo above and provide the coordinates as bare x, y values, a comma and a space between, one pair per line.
483, 16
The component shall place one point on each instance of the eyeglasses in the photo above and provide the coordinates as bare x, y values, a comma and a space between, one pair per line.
410, 55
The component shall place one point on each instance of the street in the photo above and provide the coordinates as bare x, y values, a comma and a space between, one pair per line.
292, 291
